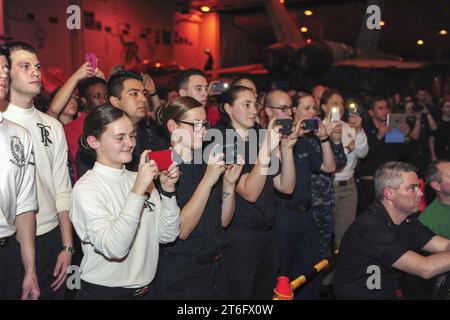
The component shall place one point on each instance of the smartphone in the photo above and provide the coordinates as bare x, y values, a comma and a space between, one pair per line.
353, 109
92, 59
229, 151
335, 115
310, 124
219, 87
286, 126
395, 120
162, 158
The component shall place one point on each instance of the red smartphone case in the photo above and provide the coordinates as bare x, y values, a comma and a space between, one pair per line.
162, 158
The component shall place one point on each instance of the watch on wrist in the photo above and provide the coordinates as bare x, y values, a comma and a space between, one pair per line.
325, 139
68, 249
153, 94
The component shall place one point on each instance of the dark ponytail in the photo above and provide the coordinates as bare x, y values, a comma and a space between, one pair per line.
230, 96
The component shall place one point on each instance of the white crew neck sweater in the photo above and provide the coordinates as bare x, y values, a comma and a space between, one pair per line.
52, 174
17, 175
120, 235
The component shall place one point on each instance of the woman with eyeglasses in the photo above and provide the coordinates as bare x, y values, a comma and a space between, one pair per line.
192, 267
297, 232
119, 215
251, 254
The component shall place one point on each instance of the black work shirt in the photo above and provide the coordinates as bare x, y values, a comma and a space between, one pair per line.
379, 151
207, 238
259, 213
307, 159
374, 240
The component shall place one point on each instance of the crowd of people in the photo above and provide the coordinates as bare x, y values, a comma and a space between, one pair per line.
305, 175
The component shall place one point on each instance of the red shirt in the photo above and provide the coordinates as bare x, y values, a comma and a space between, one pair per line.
73, 131
213, 115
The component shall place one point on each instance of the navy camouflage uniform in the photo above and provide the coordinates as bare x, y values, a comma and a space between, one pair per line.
322, 196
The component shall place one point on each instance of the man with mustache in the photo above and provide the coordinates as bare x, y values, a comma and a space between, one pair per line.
54, 246
384, 241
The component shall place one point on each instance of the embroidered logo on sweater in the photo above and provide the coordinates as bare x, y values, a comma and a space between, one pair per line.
17, 151
44, 134
149, 205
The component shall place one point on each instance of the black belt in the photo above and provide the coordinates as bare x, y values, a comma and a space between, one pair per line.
251, 225
343, 183
134, 292
204, 259
4, 241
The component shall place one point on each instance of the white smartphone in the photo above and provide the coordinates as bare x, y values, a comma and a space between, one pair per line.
335, 115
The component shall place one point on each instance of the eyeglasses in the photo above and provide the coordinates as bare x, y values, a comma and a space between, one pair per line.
197, 125
282, 108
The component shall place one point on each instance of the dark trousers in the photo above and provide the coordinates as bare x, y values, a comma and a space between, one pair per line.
251, 261
91, 291
48, 247
11, 270
366, 194
323, 217
184, 277
299, 241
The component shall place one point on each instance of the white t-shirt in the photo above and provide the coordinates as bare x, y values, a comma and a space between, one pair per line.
360, 151
52, 174
17, 175
120, 231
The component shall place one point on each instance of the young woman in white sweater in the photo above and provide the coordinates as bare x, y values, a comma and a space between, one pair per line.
119, 215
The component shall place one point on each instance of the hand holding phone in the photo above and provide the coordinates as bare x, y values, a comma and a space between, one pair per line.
286, 126
92, 59
229, 151
162, 158
310, 124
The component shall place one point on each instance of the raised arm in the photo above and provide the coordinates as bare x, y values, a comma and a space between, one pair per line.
65, 93
193, 210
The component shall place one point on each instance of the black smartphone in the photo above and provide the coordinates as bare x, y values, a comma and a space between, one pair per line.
310, 124
286, 126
